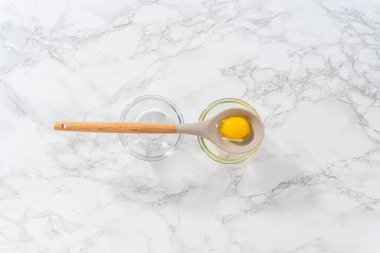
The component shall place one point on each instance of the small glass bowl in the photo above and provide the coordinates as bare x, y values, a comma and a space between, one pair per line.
212, 150
151, 147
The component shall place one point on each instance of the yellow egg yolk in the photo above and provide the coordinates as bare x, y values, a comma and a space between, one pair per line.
235, 128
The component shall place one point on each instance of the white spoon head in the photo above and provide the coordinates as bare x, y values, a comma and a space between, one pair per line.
249, 143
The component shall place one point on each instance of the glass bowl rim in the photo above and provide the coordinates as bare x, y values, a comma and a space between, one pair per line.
203, 145
172, 106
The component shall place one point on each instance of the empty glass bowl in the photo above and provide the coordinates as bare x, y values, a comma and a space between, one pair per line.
151, 147
208, 147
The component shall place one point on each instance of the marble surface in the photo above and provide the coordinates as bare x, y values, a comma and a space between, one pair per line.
311, 68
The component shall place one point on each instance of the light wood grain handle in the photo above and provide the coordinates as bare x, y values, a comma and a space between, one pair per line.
115, 127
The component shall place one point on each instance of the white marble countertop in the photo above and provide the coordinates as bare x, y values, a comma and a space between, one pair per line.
311, 68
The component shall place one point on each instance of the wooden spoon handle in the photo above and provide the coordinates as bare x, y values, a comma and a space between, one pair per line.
115, 127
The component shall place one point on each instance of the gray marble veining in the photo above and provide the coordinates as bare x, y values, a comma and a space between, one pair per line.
311, 68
